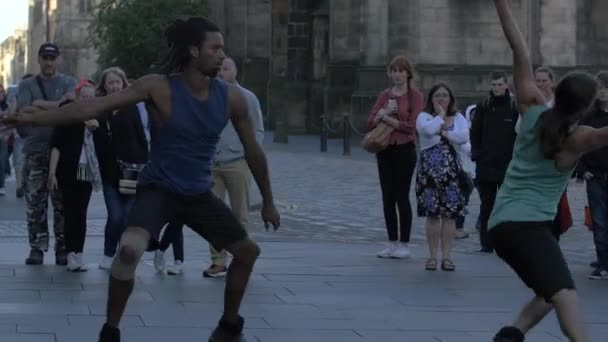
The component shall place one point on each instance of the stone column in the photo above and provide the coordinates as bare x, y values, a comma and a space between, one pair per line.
374, 38
276, 108
344, 31
558, 25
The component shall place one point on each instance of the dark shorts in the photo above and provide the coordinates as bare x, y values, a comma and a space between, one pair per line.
206, 214
532, 251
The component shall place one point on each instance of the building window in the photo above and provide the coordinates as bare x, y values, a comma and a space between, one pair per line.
84, 6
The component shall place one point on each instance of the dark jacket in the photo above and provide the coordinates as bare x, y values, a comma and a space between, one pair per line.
120, 137
595, 162
493, 136
68, 140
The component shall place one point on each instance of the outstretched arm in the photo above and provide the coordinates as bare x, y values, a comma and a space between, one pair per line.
526, 90
80, 111
254, 155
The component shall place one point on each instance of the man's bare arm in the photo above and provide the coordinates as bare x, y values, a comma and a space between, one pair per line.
46, 104
80, 111
254, 155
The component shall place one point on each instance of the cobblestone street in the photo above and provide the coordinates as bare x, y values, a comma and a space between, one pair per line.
318, 278
328, 197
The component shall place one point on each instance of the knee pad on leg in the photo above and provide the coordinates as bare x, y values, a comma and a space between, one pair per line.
132, 247
509, 334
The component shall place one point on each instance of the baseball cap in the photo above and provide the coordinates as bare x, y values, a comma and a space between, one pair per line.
48, 49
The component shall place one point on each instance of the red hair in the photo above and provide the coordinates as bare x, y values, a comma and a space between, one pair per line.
83, 83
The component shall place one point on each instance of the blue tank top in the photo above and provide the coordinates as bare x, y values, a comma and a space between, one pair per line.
182, 149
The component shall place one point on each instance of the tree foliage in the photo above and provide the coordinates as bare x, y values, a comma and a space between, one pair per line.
130, 33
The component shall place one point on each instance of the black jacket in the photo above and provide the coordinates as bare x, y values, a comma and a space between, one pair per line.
68, 140
493, 136
595, 162
120, 137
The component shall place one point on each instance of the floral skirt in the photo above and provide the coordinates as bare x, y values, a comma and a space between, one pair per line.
437, 190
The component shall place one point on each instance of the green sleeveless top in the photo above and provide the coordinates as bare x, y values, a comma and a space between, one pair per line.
533, 185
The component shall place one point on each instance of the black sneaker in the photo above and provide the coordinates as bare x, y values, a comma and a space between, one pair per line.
109, 334
61, 258
509, 334
486, 250
599, 274
228, 332
595, 264
36, 257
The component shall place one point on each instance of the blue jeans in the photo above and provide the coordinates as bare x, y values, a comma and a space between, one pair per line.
118, 207
3, 161
597, 195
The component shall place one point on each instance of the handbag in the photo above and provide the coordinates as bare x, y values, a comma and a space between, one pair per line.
378, 138
465, 182
129, 173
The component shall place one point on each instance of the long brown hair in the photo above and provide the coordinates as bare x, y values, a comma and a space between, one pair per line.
574, 95
401, 62
429, 108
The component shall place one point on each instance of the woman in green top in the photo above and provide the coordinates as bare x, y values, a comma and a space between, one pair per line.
547, 148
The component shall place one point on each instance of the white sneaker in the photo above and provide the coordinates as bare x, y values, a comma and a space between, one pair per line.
106, 263
176, 268
388, 251
80, 261
159, 261
72, 262
401, 252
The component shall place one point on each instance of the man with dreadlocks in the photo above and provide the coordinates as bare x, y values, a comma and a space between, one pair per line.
192, 109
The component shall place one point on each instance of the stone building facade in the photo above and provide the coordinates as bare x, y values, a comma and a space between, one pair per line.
13, 52
65, 23
308, 57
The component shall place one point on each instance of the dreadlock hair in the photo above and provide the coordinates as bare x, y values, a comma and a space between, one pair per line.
183, 34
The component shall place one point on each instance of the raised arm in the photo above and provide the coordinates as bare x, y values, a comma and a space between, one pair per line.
526, 90
377, 111
460, 134
79, 111
407, 123
426, 124
254, 155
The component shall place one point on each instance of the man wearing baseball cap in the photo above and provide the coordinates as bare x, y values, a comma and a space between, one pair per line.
47, 90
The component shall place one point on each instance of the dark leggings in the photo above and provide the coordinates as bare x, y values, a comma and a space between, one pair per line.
396, 167
174, 235
76, 196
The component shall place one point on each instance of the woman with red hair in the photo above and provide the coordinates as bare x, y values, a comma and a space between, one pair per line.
74, 170
398, 107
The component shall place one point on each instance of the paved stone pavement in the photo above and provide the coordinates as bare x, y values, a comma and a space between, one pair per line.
327, 197
317, 279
